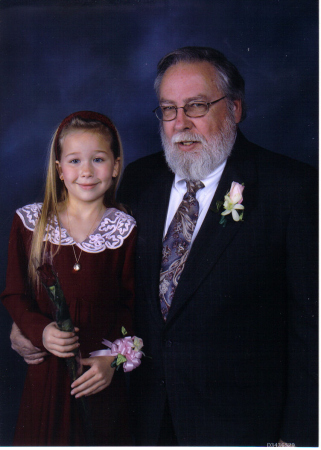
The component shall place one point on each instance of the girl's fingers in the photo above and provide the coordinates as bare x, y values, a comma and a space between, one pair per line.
98, 390
89, 388
64, 334
97, 378
59, 343
64, 348
84, 382
82, 379
65, 342
62, 355
82, 389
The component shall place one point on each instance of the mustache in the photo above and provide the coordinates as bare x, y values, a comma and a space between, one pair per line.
188, 136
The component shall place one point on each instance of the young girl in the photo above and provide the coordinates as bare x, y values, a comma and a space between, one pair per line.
82, 232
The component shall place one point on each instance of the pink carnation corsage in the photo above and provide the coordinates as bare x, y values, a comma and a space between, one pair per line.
127, 351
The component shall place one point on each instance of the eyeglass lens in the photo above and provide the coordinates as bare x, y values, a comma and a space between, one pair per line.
191, 110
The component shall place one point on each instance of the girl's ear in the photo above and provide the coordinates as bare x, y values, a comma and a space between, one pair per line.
116, 167
58, 167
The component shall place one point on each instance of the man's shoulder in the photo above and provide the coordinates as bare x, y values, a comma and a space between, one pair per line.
153, 162
271, 163
140, 175
146, 170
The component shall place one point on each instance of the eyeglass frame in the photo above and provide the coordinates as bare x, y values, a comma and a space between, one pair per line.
208, 104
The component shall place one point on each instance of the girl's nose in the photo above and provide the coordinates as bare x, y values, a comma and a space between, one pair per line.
86, 169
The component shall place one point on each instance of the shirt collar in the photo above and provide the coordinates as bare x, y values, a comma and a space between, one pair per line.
212, 179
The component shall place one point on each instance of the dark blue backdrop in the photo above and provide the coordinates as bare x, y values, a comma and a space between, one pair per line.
61, 56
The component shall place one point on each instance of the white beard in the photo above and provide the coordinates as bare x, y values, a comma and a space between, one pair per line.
197, 165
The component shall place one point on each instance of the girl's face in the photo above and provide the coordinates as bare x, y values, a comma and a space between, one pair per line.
87, 165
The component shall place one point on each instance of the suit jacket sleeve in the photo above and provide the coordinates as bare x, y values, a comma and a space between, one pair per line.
300, 418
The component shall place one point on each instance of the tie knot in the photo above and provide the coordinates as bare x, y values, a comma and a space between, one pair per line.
194, 186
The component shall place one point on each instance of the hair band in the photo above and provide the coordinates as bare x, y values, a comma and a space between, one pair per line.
85, 115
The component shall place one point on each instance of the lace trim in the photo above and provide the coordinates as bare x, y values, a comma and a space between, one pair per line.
113, 229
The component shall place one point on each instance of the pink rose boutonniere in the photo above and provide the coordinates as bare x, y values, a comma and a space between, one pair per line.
232, 203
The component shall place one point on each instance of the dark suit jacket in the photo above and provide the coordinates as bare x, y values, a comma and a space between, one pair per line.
237, 357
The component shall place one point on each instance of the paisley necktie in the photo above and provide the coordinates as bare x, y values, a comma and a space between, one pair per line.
176, 245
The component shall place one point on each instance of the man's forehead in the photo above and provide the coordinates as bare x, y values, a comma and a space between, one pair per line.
193, 98
189, 81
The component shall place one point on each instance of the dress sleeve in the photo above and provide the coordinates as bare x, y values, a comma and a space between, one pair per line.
18, 296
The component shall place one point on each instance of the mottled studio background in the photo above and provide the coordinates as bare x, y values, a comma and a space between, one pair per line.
57, 57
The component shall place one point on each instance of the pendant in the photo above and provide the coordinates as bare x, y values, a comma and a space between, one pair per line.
76, 267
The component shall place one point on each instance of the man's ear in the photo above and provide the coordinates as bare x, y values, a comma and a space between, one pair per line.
237, 110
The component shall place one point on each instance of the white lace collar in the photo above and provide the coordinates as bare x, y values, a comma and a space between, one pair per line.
114, 228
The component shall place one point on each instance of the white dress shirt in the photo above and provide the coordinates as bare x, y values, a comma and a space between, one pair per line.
204, 197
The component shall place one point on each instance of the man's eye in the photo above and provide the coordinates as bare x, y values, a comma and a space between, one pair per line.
166, 109
196, 105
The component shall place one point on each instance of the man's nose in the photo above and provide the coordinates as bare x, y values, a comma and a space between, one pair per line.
182, 121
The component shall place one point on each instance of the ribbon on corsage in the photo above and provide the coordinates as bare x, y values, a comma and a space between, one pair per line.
127, 351
232, 203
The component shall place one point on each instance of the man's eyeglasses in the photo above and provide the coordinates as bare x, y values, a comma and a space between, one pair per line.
192, 109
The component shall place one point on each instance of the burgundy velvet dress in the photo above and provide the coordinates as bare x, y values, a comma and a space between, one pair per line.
100, 299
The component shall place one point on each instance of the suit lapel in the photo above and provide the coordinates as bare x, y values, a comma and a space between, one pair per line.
213, 238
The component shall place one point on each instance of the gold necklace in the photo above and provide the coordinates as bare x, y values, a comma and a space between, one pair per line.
77, 265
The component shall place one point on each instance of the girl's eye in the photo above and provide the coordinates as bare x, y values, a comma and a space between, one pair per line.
74, 161
98, 159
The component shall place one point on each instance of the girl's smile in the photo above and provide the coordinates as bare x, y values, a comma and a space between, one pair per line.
87, 186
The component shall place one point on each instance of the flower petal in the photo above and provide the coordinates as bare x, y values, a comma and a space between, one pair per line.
225, 213
238, 206
235, 215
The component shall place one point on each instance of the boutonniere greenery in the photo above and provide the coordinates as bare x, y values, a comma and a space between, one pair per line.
232, 203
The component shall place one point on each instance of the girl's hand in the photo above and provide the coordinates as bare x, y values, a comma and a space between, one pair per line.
59, 343
97, 378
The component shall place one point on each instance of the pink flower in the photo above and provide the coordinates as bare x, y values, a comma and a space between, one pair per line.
126, 350
232, 202
235, 193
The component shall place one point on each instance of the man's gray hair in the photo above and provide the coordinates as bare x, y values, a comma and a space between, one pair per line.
230, 80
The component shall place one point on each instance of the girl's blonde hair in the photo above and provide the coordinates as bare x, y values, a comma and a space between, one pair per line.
55, 191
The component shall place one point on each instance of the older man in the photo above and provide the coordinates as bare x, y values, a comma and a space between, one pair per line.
226, 272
